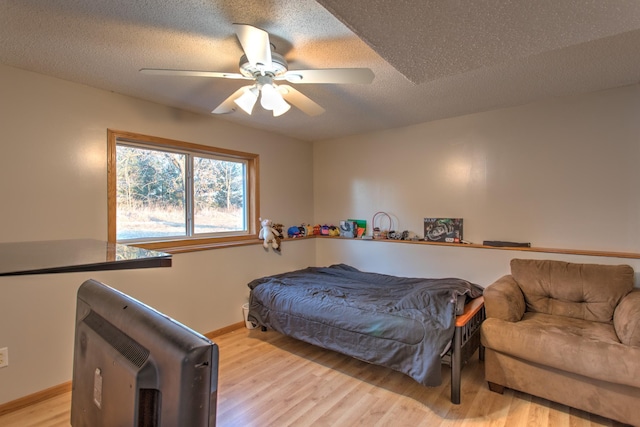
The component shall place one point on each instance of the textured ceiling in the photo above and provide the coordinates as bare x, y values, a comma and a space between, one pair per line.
432, 59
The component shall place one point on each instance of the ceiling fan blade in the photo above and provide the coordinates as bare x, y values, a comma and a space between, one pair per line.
228, 106
330, 75
192, 73
299, 100
255, 43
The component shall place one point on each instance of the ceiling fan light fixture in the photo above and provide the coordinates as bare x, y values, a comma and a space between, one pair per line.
270, 98
247, 100
261, 64
281, 109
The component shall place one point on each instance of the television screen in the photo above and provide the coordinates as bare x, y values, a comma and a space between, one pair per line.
134, 366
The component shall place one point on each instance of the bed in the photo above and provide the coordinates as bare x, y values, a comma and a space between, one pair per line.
411, 325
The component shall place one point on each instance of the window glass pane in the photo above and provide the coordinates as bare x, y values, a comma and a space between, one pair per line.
150, 193
218, 195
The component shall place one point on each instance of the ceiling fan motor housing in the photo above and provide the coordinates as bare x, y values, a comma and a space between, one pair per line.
277, 67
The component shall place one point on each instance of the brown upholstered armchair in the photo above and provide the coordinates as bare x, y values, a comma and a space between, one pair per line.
566, 332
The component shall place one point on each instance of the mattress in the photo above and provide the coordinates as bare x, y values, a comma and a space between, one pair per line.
403, 323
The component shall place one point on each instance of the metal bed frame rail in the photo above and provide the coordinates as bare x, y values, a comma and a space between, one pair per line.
466, 340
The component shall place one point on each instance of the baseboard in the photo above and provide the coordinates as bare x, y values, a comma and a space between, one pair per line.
34, 398
59, 389
213, 334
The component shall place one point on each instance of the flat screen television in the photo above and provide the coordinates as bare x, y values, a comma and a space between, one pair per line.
134, 366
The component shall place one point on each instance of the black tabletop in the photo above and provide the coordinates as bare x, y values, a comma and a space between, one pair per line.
67, 256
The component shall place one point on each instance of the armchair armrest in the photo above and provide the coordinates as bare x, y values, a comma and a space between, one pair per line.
504, 300
626, 319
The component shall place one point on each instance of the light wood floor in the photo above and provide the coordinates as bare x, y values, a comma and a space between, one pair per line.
266, 379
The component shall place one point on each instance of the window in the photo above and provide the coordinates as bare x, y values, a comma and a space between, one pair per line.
173, 195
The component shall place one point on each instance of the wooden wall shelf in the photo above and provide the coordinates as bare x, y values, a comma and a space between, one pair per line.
610, 254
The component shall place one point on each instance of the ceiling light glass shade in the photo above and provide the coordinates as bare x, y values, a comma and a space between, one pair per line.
247, 100
270, 97
281, 108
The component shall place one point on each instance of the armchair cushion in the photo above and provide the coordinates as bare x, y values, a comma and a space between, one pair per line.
582, 347
581, 291
504, 300
626, 319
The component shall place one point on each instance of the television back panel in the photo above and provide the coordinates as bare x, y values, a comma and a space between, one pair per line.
134, 366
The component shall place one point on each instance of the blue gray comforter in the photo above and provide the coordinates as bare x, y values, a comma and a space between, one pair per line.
403, 323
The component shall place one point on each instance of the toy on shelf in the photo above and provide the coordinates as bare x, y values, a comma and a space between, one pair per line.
404, 235
280, 233
293, 232
361, 227
348, 229
299, 231
270, 234
328, 230
379, 232
447, 230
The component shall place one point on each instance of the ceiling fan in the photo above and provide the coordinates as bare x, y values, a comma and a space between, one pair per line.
260, 64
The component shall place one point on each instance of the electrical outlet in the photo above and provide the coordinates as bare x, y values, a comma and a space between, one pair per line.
4, 357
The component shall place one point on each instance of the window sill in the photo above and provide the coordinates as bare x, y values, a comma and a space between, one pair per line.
195, 245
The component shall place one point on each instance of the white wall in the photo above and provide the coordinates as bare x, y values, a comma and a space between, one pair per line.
561, 173
53, 185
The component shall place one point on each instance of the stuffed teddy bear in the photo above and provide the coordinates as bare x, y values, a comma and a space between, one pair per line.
270, 235
279, 233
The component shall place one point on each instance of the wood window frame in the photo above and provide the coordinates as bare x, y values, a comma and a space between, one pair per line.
189, 243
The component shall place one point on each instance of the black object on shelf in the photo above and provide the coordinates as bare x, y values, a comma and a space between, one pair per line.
499, 243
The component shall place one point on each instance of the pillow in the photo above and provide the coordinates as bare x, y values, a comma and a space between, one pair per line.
626, 319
